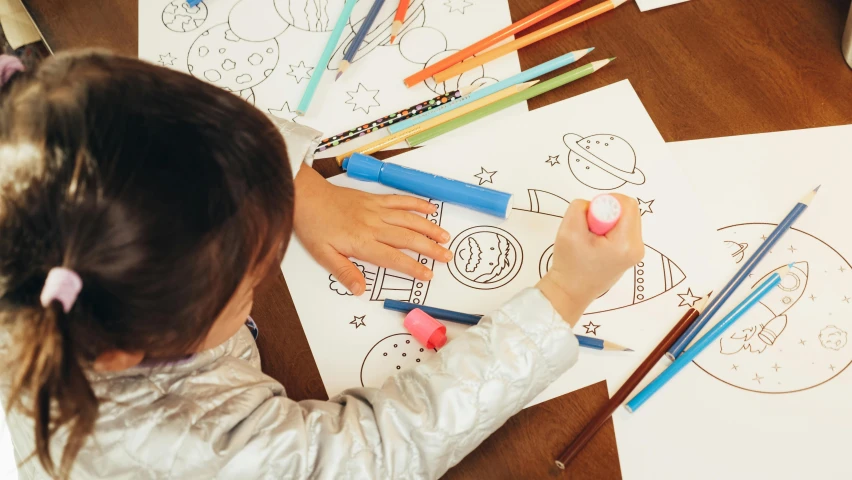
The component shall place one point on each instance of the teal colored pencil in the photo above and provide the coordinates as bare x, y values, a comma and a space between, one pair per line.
688, 356
522, 77
322, 63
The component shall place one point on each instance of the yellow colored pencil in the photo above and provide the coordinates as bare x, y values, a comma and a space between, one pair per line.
401, 135
528, 39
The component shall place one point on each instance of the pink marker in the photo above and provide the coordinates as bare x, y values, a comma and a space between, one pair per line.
604, 212
428, 331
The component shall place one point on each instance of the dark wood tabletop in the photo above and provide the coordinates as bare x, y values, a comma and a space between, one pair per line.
702, 69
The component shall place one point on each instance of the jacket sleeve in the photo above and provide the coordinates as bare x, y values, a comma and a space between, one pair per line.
420, 422
301, 142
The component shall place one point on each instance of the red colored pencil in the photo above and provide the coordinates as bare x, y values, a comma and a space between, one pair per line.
398, 19
488, 41
620, 396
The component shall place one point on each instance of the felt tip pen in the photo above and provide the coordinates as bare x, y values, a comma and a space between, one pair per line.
492, 202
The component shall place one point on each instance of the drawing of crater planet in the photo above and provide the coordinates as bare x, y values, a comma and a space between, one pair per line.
222, 58
391, 355
796, 337
602, 161
178, 16
485, 257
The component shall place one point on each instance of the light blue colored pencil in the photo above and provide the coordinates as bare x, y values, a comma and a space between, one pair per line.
322, 63
711, 336
683, 342
366, 25
524, 76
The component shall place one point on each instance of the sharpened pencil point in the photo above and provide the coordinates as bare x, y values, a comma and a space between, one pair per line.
629, 350
612, 58
338, 76
393, 37
817, 188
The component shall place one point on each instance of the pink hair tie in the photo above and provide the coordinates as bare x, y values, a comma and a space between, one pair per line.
9, 65
61, 284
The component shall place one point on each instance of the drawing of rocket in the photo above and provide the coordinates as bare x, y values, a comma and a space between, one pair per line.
493, 262
757, 337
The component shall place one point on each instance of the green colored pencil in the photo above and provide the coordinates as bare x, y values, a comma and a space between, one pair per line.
507, 102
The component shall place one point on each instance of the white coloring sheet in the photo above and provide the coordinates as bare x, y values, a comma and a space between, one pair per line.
266, 51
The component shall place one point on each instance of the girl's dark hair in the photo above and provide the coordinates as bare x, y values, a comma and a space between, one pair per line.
162, 192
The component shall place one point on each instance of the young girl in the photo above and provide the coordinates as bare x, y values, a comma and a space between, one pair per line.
139, 208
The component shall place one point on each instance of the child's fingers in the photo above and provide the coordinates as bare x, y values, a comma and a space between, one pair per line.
343, 270
407, 202
391, 258
398, 237
417, 223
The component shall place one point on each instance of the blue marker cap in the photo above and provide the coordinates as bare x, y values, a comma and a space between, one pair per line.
366, 168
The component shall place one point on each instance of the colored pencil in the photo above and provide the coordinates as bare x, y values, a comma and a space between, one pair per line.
398, 19
380, 123
629, 385
524, 76
542, 87
489, 41
471, 319
322, 63
710, 337
394, 138
527, 39
366, 25
685, 339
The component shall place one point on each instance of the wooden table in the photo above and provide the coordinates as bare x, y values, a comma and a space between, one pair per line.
702, 69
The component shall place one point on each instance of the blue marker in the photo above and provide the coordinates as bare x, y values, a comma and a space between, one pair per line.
711, 336
522, 77
193, 3
492, 202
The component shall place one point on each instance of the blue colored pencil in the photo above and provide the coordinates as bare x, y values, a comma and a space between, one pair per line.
683, 342
366, 25
471, 319
483, 92
761, 291
322, 63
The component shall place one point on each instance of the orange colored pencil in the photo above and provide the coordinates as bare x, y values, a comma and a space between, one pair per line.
398, 19
488, 41
533, 37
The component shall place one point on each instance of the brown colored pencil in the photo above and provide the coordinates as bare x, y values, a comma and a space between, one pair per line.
621, 395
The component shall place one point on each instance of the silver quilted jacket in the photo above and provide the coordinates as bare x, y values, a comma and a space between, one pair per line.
217, 416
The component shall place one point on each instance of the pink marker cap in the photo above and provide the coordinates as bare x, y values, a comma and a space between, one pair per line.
604, 212
425, 329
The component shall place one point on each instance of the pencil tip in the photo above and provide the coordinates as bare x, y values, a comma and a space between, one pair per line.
612, 58
817, 188
393, 37
338, 76
590, 49
629, 350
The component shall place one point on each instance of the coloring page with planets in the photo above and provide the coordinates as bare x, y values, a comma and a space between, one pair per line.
266, 52
770, 398
602, 141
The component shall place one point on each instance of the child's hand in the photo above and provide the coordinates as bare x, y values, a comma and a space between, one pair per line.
335, 223
586, 265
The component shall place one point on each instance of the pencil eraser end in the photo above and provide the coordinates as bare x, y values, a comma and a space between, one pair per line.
428, 331
604, 212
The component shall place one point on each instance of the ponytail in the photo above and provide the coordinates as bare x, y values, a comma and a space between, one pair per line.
50, 376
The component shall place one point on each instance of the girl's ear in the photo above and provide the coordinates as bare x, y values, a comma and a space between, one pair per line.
117, 360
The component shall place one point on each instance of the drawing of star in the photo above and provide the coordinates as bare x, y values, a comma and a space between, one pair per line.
802, 342
362, 99
485, 176
812, 297
457, 5
763, 237
842, 269
750, 275
776, 367
284, 113
358, 322
832, 367
644, 207
792, 249
552, 160
846, 299
735, 367
300, 72
688, 299
167, 60
591, 328
757, 378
